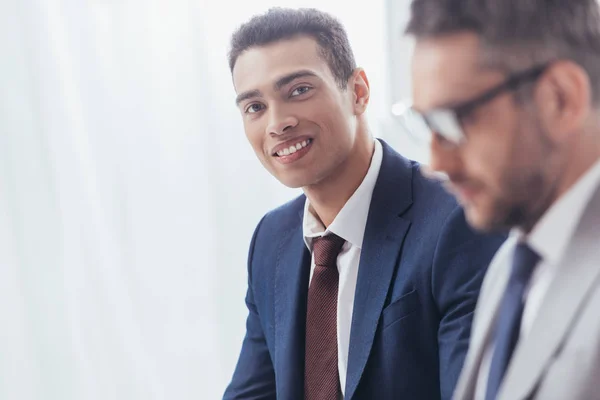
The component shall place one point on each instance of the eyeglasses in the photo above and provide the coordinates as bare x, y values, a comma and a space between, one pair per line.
446, 123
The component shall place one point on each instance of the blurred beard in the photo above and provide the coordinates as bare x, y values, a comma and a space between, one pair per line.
530, 191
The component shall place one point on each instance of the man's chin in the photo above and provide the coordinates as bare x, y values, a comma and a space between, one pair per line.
298, 180
478, 220
293, 182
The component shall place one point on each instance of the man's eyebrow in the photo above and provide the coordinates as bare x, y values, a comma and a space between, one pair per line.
284, 80
247, 95
445, 105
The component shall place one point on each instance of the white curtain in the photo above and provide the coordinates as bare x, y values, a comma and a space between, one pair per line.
128, 193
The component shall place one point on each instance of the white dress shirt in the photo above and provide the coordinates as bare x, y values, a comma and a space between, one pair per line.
349, 224
549, 239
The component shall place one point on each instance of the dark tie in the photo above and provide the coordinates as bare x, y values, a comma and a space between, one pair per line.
321, 375
508, 324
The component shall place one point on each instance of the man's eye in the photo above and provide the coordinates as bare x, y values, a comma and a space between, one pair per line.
254, 108
441, 139
467, 118
300, 90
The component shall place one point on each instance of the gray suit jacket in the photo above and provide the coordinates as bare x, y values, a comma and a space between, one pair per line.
560, 357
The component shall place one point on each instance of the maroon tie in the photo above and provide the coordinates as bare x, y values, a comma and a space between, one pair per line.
321, 375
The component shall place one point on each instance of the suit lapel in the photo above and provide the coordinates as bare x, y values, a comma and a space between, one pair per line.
291, 288
578, 273
486, 312
384, 235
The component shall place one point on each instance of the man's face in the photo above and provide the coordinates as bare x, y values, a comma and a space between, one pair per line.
502, 174
300, 124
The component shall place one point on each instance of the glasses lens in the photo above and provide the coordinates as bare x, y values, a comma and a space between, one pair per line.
445, 124
416, 126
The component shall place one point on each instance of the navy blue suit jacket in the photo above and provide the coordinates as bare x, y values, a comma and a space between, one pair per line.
419, 276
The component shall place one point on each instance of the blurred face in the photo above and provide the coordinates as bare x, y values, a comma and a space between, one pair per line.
505, 172
301, 125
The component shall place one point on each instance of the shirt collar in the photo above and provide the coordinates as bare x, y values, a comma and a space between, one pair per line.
550, 236
350, 222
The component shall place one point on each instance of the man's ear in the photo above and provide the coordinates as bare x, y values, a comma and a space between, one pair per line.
564, 99
359, 84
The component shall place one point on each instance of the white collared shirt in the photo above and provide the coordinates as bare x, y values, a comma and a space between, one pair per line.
349, 224
549, 239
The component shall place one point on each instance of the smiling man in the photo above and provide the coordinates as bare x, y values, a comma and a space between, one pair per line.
364, 286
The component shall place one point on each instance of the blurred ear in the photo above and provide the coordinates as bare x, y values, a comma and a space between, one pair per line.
359, 83
564, 99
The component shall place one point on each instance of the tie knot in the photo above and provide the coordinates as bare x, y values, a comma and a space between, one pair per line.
326, 249
524, 261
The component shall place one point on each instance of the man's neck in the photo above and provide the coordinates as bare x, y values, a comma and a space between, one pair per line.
330, 195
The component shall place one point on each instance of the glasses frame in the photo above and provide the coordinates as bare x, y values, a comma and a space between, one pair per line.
446, 123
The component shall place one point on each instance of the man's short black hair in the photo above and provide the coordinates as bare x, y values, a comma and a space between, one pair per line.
285, 23
518, 34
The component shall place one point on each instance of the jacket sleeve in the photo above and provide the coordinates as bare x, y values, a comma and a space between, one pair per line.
254, 377
460, 262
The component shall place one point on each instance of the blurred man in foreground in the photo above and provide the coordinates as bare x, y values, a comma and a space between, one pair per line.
509, 92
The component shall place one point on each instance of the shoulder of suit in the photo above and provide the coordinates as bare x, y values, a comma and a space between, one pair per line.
286, 216
431, 196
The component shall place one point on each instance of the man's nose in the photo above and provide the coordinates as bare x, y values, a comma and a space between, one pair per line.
444, 159
280, 122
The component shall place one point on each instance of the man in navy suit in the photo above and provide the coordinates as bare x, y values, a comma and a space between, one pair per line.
363, 287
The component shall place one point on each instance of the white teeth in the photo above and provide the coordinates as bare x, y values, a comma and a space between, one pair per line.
293, 149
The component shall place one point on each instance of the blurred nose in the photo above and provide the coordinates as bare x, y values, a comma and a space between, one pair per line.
443, 159
281, 121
